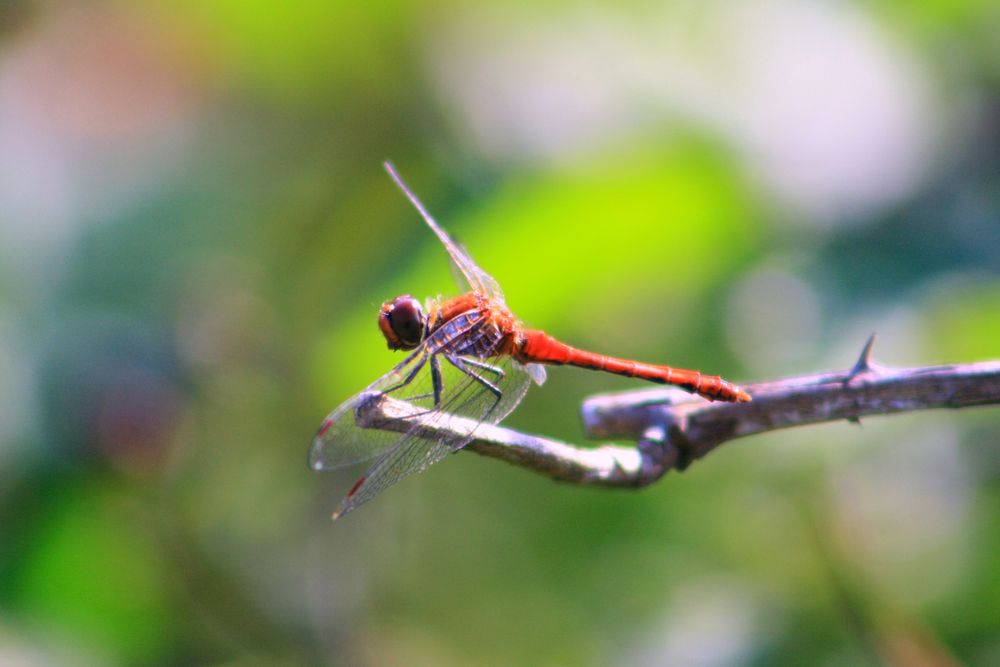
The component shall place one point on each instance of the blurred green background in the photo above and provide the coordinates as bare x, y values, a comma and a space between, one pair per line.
196, 233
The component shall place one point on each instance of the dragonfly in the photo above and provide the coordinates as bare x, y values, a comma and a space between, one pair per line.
469, 362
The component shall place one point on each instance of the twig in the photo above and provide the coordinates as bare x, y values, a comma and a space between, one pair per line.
673, 428
610, 465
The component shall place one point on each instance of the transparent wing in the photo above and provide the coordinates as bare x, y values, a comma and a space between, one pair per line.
537, 373
412, 433
342, 441
477, 279
459, 277
339, 442
435, 434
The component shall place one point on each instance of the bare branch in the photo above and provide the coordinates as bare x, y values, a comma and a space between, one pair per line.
673, 428
608, 465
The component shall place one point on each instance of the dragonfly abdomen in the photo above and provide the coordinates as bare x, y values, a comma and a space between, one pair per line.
539, 347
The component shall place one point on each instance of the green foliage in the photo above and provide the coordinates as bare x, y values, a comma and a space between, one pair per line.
94, 574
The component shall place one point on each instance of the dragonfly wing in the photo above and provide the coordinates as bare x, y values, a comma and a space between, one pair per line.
341, 442
476, 278
482, 281
537, 373
432, 434
411, 456
459, 277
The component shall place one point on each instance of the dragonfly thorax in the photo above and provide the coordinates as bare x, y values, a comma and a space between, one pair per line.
402, 322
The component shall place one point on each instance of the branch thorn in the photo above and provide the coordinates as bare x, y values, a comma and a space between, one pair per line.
864, 362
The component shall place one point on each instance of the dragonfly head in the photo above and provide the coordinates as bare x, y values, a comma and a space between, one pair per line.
402, 322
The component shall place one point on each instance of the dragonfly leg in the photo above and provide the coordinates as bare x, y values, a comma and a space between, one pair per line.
419, 397
409, 378
436, 381
458, 363
484, 366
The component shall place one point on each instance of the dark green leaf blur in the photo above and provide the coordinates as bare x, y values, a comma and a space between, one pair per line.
196, 233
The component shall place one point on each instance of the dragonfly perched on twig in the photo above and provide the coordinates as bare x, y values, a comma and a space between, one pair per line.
468, 357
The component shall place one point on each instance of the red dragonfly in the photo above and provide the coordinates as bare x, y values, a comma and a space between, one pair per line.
468, 357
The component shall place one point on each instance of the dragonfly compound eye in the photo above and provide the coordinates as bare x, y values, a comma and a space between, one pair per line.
402, 322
